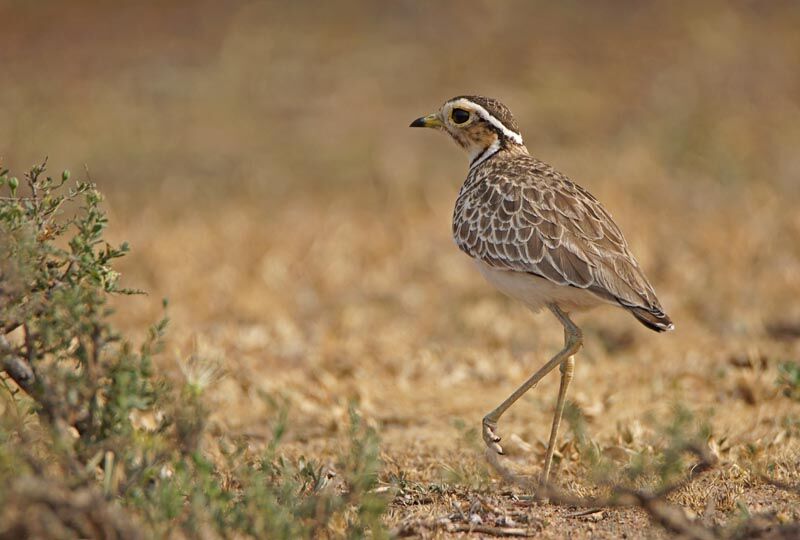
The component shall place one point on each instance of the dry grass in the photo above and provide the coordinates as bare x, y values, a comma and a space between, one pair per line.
261, 170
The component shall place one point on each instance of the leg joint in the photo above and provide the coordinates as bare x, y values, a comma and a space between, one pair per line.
574, 340
573, 337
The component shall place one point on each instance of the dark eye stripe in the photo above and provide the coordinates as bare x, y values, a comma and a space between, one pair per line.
459, 116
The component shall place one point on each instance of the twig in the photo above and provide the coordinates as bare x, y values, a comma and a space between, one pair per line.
412, 528
491, 530
581, 513
17, 367
30, 350
10, 327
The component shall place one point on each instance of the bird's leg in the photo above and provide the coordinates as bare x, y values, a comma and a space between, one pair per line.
571, 333
573, 342
567, 369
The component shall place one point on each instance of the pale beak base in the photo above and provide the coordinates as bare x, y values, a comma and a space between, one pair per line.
430, 121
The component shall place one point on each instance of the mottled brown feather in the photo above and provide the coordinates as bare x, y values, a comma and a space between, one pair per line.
517, 213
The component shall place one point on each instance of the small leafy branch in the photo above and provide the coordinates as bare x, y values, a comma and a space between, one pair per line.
56, 275
74, 460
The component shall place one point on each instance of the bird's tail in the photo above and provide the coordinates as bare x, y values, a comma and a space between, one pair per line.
653, 318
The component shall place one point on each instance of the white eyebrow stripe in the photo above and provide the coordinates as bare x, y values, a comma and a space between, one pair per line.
483, 113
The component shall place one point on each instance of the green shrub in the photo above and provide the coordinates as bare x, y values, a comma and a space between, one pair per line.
74, 462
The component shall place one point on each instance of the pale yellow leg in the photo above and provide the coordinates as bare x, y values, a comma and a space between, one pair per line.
567, 369
573, 343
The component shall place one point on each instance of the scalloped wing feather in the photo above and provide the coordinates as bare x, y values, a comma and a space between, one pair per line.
520, 214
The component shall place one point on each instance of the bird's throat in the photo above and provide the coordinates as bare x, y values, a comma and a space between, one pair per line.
481, 154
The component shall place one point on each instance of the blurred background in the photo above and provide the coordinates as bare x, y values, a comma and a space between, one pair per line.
257, 157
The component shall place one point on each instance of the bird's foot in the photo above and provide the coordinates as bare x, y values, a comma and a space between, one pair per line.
489, 437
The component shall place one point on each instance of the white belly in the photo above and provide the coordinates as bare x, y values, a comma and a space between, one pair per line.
536, 292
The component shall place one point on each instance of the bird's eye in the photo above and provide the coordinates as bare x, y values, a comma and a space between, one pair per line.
459, 116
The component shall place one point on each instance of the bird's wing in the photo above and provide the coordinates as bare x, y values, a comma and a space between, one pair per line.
522, 215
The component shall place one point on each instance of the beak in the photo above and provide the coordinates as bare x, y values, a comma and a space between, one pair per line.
430, 121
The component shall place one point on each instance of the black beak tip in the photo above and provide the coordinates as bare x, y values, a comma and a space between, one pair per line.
419, 122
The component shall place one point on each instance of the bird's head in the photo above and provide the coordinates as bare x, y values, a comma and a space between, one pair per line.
482, 126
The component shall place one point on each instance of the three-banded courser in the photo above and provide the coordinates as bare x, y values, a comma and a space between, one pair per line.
539, 238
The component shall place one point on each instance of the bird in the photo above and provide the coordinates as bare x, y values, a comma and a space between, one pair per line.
539, 238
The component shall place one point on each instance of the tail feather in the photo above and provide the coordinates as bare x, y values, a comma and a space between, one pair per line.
654, 319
